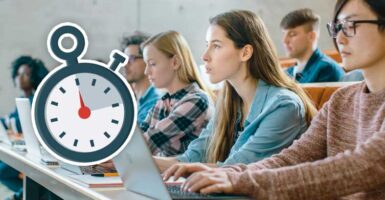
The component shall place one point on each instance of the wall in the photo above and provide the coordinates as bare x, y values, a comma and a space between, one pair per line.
24, 25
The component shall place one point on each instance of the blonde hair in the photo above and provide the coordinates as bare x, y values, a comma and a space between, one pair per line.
244, 27
172, 43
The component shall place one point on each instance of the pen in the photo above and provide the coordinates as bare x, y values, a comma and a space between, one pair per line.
105, 174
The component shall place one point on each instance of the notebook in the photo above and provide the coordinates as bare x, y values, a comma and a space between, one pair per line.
97, 182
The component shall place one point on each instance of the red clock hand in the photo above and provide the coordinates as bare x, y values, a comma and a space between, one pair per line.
84, 112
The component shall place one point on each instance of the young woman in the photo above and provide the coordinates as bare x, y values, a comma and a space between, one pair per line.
260, 110
341, 156
180, 115
27, 73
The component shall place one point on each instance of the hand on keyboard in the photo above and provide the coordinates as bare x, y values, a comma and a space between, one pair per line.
184, 170
208, 182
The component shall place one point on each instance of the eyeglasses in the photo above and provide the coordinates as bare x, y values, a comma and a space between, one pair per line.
349, 27
132, 58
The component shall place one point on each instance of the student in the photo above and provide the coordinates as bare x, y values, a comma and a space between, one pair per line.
300, 37
180, 115
341, 156
27, 73
146, 95
260, 110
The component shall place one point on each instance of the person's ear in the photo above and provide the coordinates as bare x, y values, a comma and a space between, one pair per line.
312, 35
246, 52
175, 62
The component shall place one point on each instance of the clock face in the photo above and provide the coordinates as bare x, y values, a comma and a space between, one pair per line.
84, 112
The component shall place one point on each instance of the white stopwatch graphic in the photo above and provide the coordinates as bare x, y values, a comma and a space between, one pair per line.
84, 112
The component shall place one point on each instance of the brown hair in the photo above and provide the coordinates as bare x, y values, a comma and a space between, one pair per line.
300, 17
136, 38
244, 27
172, 43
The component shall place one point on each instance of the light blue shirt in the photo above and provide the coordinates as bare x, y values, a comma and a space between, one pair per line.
146, 102
276, 118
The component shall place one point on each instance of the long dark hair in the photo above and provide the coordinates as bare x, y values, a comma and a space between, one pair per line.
377, 6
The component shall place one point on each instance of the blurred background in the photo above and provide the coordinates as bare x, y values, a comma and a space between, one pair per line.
24, 26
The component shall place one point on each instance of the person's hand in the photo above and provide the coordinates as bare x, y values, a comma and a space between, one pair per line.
164, 163
107, 165
14, 136
210, 181
184, 170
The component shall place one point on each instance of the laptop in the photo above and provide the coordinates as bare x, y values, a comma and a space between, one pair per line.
32, 143
139, 173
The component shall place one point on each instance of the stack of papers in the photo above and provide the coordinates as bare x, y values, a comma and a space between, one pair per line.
97, 182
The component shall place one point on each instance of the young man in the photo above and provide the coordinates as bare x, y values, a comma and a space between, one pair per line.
300, 37
146, 95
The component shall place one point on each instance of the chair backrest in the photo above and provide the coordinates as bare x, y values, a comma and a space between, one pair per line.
334, 54
286, 62
320, 93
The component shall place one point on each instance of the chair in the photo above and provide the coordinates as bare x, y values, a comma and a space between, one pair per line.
289, 62
320, 93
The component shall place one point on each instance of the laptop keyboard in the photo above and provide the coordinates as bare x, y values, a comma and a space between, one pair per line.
96, 169
18, 142
177, 193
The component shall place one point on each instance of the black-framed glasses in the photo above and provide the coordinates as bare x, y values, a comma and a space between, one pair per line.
132, 58
348, 27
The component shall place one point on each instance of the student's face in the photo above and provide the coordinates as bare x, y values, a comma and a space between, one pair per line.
297, 41
160, 69
222, 58
22, 78
134, 69
367, 47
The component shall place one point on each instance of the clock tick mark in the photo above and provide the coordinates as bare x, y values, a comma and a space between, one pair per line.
92, 143
93, 82
62, 135
75, 142
77, 81
62, 90
114, 121
107, 135
115, 105
54, 119
107, 90
54, 103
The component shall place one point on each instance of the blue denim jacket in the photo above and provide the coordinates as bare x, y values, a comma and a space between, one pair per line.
276, 118
146, 102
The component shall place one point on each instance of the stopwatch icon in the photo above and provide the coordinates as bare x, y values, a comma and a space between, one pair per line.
84, 112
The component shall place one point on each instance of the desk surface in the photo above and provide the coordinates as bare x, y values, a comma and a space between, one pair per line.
55, 179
